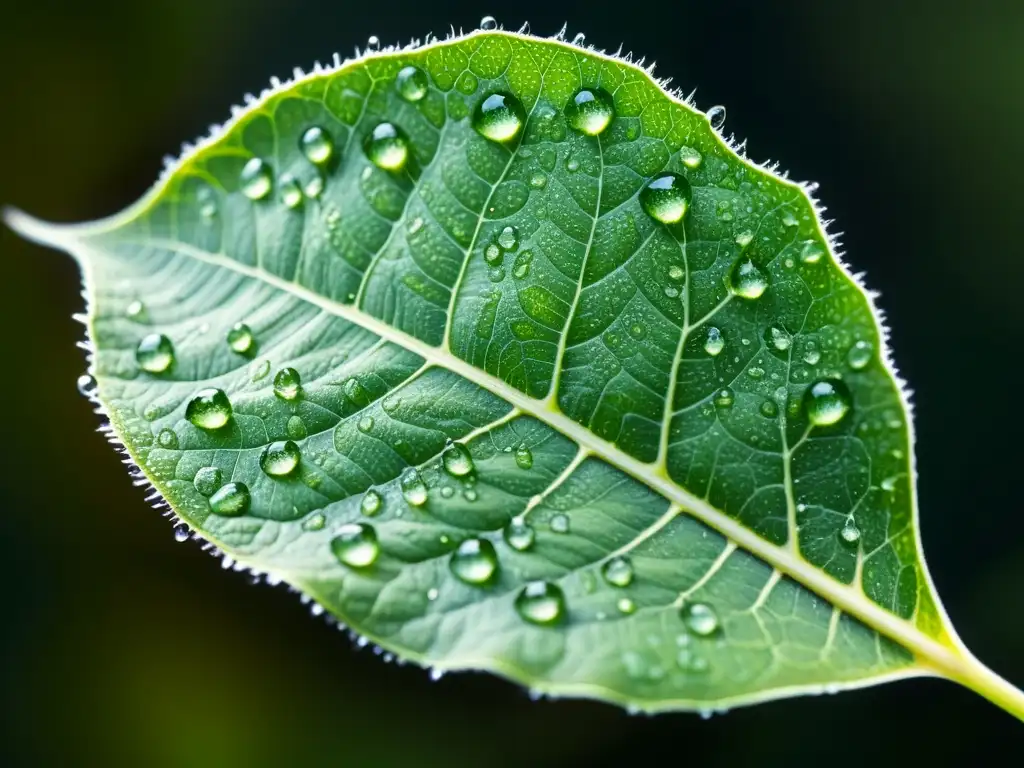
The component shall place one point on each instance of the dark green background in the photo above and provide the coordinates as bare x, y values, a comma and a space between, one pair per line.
120, 647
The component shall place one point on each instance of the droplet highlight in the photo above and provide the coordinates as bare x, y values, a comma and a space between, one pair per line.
414, 490
412, 83
519, 535
240, 338
700, 619
457, 460
746, 280
618, 572
317, 145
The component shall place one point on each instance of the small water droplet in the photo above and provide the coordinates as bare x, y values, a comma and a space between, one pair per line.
456, 460
724, 398
488, 23
849, 534
812, 355
538, 180
240, 338
314, 522
743, 239
371, 504
700, 619
207, 200
260, 370
287, 383
714, 342
508, 239
755, 372
746, 279
432, 594
289, 191
666, 198
769, 409
618, 572
690, 157
255, 179
560, 523
412, 83
889, 484
860, 355
591, 111
414, 490
625, 605
167, 439
208, 480
638, 331
474, 562
524, 457
387, 147
231, 500
676, 273
314, 187
135, 310
365, 424
296, 427
209, 409
469, 494
182, 532
499, 117
87, 386
355, 545
519, 535
155, 353
778, 339
827, 401
541, 602
280, 458
317, 145
716, 116
811, 252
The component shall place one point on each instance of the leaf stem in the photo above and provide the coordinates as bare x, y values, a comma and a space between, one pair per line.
964, 668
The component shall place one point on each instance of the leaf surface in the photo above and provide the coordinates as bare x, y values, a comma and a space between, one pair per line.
495, 414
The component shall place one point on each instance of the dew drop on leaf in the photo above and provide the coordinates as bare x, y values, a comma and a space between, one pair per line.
626, 606
474, 562
207, 203
488, 23
508, 239
666, 198
231, 500
355, 545
769, 409
240, 338
167, 439
618, 572
155, 353
519, 535
499, 117
414, 490
811, 253
209, 409
826, 402
860, 355
280, 458
849, 534
287, 383
295, 427
207, 480
746, 280
716, 116
181, 532
317, 145
777, 339
255, 179
560, 523
456, 460
135, 310
371, 504
714, 342
724, 398
524, 457
541, 602
387, 147
314, 522
590, 111
289, 191
365, 424
700, 619
412, 83
690, 157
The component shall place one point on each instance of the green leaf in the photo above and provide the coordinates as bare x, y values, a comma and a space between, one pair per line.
501, 354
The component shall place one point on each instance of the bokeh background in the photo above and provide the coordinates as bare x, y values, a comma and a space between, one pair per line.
120, 647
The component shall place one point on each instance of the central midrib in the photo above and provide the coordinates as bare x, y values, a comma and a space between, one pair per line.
848, 598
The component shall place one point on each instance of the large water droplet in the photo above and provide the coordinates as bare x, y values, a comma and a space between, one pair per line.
208, 480
746, 279
209, 409
499, 117
371, 504
860, 355
474, 562
524, 457
591, 111
716, 116
387, 147
666, 198
700, 619
167, 439
255, 179
849, 534
618, 572
714, 343
827, 401
412, 83
355, 545
240, 338
280, 458
769, 409
287, 383
317, 145
541, 602
155, 353
488, 23
414, 490
231, 500
519, 535
457, 461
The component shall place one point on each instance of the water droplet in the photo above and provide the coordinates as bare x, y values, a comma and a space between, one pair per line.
280, 458
591, 111
493, 255
538, 180
373, 43
559, 523
625, 605
412, 83
414, 490
690, 157
811, 252
386, 147
474, 562
317, 145
296, 427
519, 535
209, 409
355, 545
207, 200
135, 310
618, 572
755, 372
167, 439
469, 494
432, 594
240, 338
287, 383
671, 291
87, 386
769, 409
700, 619
365, 424
508, 239
778, 339
314, 522
314, 187
289, 191
716, 116
689, 661
746, 280
666, 198
743, 239
860, 355
260, 370
499, 117
207, 480
255, 179
676, 273
371, 504
827, 401
155, 353
231, 500
488, 23
638, 331
849, 534
541, 602
182, 532
724, 398
714, 343
524, 457
521, 268
889, 484
457, 461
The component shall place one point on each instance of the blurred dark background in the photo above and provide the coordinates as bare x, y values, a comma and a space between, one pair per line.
120, 647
